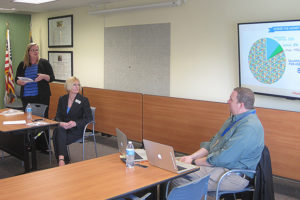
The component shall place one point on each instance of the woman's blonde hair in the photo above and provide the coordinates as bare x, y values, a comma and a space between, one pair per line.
26, 56
69, 83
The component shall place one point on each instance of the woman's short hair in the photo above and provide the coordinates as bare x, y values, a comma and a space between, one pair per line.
26, 55
69, 83
246, 96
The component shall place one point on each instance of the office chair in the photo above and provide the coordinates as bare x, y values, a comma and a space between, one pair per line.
133, 197
39, 110
17, 104
249, 188
193, 190
87, 134
262, 183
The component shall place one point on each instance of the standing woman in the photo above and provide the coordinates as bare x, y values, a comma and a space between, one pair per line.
38, 91
73, 113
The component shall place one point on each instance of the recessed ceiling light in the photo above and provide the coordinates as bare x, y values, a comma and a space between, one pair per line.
8, 9
32, 1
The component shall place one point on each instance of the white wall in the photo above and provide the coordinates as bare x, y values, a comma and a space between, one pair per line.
88, 43
204, 43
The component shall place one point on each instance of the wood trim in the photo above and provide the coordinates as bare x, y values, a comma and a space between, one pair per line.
116, 109
57, 90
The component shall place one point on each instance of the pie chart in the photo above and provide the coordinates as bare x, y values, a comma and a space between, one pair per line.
267, 60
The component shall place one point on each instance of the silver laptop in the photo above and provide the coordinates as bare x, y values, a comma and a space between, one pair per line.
139, 155
162, 156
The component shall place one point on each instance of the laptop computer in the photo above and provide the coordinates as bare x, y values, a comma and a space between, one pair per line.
162, 156
139, 155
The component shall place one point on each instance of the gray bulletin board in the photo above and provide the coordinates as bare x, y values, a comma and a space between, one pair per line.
137, 58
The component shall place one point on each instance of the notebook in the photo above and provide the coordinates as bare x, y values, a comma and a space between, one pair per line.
139, 155
162, 156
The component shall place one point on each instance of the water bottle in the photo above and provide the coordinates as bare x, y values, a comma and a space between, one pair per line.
130, 155
29, 113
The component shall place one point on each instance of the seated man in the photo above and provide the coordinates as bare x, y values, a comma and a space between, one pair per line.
237, 145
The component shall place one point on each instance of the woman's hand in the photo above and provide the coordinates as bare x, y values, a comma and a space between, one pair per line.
71, 124
22, 83
42, 77
67, 125
63, 124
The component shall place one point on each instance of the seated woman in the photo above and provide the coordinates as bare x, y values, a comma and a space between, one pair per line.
73, 113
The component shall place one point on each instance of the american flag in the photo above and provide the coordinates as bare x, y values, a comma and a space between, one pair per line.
9, 80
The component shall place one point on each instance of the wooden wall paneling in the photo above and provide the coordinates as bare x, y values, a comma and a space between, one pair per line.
181, 123
116, 109
57, 90
184, 123
282, 136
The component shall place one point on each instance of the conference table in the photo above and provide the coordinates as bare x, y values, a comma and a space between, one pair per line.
100, 178
18, 139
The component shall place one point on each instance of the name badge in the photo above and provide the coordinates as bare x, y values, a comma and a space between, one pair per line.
77, 101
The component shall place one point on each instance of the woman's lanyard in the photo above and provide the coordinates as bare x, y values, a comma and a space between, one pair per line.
233, 123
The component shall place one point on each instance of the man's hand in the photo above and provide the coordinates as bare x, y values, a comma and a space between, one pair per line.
186, 159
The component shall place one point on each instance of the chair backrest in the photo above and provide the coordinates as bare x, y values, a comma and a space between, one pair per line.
264, 178
38, 109
194, 190
18, 90
17, 104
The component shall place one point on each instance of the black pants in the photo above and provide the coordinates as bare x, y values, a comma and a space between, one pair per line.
41, 142
62, 138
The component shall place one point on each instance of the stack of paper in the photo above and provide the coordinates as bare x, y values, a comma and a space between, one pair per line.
25, 79
14, 122
11, 112
37, 123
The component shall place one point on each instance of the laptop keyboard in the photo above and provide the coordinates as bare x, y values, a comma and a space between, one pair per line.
180, 168
137, 156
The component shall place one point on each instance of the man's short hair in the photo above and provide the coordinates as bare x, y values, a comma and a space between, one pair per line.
246, 96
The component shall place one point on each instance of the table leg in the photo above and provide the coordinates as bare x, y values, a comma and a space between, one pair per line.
49, 146
26, 153
33, 151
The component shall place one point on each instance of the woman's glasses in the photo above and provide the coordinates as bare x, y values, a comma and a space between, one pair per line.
34, 50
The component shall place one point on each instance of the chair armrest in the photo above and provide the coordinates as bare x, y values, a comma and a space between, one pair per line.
85, 127
231, 172
133, 197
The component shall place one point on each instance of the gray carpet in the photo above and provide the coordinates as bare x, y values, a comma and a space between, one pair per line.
10, 166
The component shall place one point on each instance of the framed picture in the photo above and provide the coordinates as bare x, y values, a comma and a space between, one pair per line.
62, 64
60, 31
